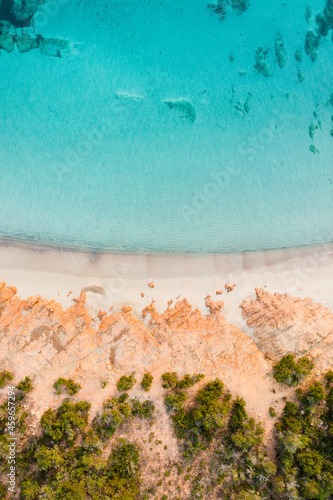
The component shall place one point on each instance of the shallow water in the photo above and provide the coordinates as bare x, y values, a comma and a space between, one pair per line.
146, 137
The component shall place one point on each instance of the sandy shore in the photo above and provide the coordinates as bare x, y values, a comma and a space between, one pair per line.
53, 273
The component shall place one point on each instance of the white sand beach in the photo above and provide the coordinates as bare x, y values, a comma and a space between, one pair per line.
53, 273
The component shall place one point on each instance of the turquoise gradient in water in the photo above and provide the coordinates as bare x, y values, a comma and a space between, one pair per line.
147, 136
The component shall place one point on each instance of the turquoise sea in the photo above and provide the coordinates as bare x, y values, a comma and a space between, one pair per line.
151, 130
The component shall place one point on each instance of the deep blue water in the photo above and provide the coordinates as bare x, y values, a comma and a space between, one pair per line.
147, 137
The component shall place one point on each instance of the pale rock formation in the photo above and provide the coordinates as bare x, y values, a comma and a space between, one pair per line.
41, 340
285, 324
229, 288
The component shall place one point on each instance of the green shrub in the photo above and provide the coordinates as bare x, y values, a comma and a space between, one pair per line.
143, 410
169, 380
124, 461
3, 492
66, 385
4, 376
238, 415
67, 422
189, 380
146, 382
314, 395
329, 378
126, 383
272, 412
204, 418
175, 400
115, 412
292, 372
25, 385
304, 445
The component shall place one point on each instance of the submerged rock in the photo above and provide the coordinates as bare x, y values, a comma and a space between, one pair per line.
261, 64
308, 12
298, 56
325, 19
219, 8
24, 10
240, 5
26, 43
6, 42
54, 47
184, 109
280, 51
311, 42
300, 76
312, 130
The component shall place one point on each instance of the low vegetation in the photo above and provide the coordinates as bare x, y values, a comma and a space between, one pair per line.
25, 385
66, 385
291, 371
126, 383
224, 457
146, 382
5, 377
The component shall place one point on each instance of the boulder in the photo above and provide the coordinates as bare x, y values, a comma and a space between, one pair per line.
311, 42
240, 5
6, 42
54, 47
23, 10
26, 43
280, 51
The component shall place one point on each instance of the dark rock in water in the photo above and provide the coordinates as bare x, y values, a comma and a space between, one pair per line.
314, 56
25, 9
6, 36
261, 64
300, 76
280, 51
219, 8
311, 43
240, 5
184, 109
298, 56
308, 12
312, 130
54, 47
25, 43
325, 19
19, 12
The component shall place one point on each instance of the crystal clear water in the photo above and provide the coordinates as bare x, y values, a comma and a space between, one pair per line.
147, 137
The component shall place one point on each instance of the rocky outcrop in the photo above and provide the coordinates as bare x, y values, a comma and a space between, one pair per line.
40, 339
16, 18
325, 19
284, 324
183, 108
240, 5
261, 64
220, 8
280, 51
19, 13
311, 42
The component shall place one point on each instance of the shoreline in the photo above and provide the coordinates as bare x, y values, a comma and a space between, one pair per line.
53, 273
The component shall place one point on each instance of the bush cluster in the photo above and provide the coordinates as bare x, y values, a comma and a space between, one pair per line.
66, 385
5, 376
305, 443
126, 383
25, 385
146, 382
291, 371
